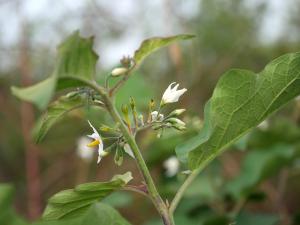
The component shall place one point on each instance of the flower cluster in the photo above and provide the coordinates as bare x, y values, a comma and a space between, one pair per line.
135, 123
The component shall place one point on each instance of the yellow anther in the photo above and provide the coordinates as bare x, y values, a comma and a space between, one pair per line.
94, 143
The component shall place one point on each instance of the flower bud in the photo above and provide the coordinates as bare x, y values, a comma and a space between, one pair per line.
125, 112
151, 105
132, 103
105, 128
176, 121
124, 109
176, 112
141, 119
118, 71
156, 117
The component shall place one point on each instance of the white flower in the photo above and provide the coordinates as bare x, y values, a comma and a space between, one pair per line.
97, 142
172, 166
156, 117
82, 150
128, 150
172, 94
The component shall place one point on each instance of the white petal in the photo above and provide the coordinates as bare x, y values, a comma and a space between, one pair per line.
177, 94
128, 150
161, 117
154, 115
95, 131
94, 136
100, 149
175, 87
100, 152
99, 159
168, 90
172, 94
170, 86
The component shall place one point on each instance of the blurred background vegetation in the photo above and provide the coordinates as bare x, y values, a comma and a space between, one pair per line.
258, 179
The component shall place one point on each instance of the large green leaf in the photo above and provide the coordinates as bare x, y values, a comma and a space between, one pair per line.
152, 44
259, 165
55, 112
182, 150
76, 58
75, 66
241, 101
75, 202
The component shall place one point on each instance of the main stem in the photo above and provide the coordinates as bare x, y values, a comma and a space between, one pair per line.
156, 199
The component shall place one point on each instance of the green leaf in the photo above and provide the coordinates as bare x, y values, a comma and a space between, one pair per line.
75, 202
103, 214
96, 214
75, 66
40, 94
150, 45
55, 112
182, 150
76, 58
241, 101
119, 199
267, 163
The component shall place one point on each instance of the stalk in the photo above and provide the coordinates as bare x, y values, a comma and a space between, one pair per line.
182, 190
154, 195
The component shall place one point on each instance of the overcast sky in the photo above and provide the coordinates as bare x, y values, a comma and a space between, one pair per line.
47, 11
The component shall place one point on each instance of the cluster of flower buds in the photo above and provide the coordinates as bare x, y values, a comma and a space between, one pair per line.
135, 122
158, 119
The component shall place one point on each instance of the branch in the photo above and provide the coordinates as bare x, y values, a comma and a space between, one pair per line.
182, 190
120, 83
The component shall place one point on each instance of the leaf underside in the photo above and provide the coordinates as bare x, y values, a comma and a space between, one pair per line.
75, 66
240, 102
150, 45
55, 112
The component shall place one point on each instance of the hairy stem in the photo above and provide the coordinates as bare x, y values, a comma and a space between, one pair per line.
155, 197
182, 190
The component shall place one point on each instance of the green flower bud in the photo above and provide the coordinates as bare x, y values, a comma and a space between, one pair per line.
176, 121
176, 112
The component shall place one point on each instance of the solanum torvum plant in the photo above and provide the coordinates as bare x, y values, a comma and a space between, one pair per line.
241, 101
